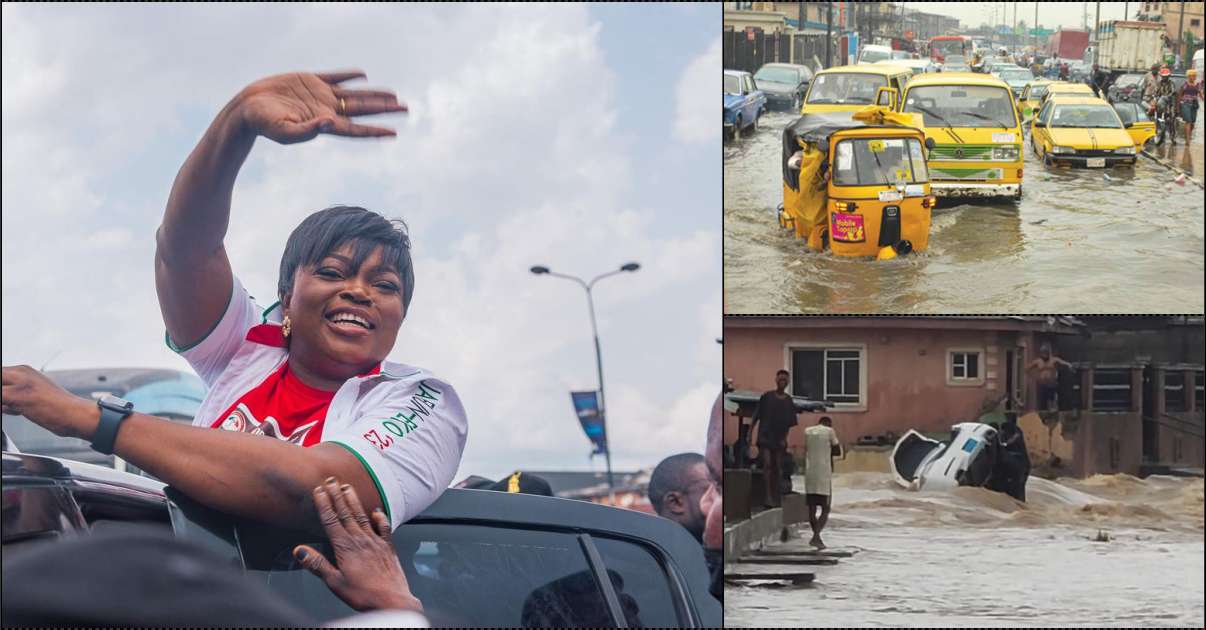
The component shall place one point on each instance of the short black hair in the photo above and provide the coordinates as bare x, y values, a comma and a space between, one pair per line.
671, 475
327, 230
784, 372
826, 420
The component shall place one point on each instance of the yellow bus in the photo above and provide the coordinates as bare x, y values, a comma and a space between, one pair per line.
973, 121
850, 88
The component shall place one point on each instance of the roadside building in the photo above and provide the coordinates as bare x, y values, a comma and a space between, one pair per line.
886, 375
1183, 23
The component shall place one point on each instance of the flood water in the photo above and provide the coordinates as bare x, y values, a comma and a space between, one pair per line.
978, 558
1077, 242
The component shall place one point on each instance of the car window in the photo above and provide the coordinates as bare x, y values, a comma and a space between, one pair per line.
845, 88
964, 105
732, 85
35, 514
465, 575
1045, 113
749, 85
641, 576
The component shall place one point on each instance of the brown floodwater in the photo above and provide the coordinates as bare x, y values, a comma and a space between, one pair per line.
973, 557
1121, 240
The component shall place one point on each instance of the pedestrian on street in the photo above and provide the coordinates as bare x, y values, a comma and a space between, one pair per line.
1187, 99
777, 412
1063, 72
1098, 80
820, 443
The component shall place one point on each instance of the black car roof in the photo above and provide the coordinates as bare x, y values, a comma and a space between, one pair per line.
484, 507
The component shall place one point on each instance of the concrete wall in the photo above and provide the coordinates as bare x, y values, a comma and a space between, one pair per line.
1174, 344
905, 375
1082, 442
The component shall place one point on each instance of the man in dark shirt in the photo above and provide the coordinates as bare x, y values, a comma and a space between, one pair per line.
777, 413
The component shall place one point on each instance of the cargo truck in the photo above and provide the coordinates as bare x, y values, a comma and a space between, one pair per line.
1124, 47
1068, 44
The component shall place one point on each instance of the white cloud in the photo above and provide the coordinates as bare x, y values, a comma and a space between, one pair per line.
511, 156
697, 113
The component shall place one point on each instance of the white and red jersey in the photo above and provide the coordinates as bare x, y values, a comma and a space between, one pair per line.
405, 425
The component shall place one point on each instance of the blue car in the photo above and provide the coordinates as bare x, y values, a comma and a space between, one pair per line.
744, 103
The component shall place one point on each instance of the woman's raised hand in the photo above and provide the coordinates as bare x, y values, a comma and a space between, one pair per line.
296, 107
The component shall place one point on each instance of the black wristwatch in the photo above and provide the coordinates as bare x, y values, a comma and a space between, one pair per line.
113, 411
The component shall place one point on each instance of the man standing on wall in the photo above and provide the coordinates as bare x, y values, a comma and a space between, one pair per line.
820, 444
1047, 368
777, 413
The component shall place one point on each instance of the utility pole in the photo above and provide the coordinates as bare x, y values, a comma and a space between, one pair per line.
1096, 30
1126, 7
828, 34
1035, 31
1181, 37
1013, 41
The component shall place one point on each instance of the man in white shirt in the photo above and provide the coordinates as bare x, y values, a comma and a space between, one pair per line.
820, 444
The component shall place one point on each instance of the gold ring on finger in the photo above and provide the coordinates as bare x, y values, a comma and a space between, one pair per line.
343, 107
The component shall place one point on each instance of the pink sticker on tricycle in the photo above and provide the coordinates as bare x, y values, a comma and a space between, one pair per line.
848, 228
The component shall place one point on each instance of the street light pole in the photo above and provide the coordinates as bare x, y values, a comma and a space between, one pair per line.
594, 329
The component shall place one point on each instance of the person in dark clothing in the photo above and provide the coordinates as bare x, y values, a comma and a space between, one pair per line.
1015, 461
676, 488
777, 412
1099, 81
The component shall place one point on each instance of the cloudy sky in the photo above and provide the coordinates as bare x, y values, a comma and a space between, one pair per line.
578, 137
1050, 14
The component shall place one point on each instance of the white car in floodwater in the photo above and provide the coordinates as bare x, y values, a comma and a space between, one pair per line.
968, 459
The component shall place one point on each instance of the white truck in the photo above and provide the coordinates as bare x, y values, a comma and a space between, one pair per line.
1124, 46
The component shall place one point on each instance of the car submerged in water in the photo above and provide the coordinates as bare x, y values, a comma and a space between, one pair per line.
474, 557
973, 456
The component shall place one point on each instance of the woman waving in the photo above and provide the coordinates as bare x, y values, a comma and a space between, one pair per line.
299, 391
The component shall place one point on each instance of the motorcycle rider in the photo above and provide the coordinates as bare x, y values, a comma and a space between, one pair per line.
1162, 105
1151, 81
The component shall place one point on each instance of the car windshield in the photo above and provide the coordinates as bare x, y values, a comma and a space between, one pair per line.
843, 88
955, 59
958, 67
1037, 91
900, 54
778, 75
1085, 116
947, 47
1015, 74
732, 84
871, 56
963, 105
879, 161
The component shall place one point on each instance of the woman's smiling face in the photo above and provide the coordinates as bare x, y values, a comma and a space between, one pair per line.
344, 320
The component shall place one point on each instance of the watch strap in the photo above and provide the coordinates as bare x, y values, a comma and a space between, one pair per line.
106, 431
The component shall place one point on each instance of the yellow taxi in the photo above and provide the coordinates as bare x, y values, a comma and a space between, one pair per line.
1138, 124
850, 88
977, 135
1081, 131
1028, 101
1066, 88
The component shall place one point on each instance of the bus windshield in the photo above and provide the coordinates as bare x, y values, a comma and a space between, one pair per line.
963, 105
845, 88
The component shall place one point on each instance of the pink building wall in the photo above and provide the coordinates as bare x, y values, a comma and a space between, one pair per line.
904, 374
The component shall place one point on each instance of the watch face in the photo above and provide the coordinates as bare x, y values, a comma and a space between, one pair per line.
116, 403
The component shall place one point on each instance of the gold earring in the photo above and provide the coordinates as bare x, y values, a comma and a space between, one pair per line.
286, 327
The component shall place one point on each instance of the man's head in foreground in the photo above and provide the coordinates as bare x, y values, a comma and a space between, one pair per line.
675, 489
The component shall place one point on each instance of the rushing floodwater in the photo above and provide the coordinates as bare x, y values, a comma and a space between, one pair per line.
1077, 242
977, 558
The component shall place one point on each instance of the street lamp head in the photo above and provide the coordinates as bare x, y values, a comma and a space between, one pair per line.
630, 267
539, 269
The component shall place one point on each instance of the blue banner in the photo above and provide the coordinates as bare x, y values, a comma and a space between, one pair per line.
586, 405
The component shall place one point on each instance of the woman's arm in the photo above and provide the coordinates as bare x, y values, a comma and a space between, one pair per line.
248, 475
192, 271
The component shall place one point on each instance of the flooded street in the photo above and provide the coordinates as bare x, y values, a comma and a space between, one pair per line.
1120, 240
978, 558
